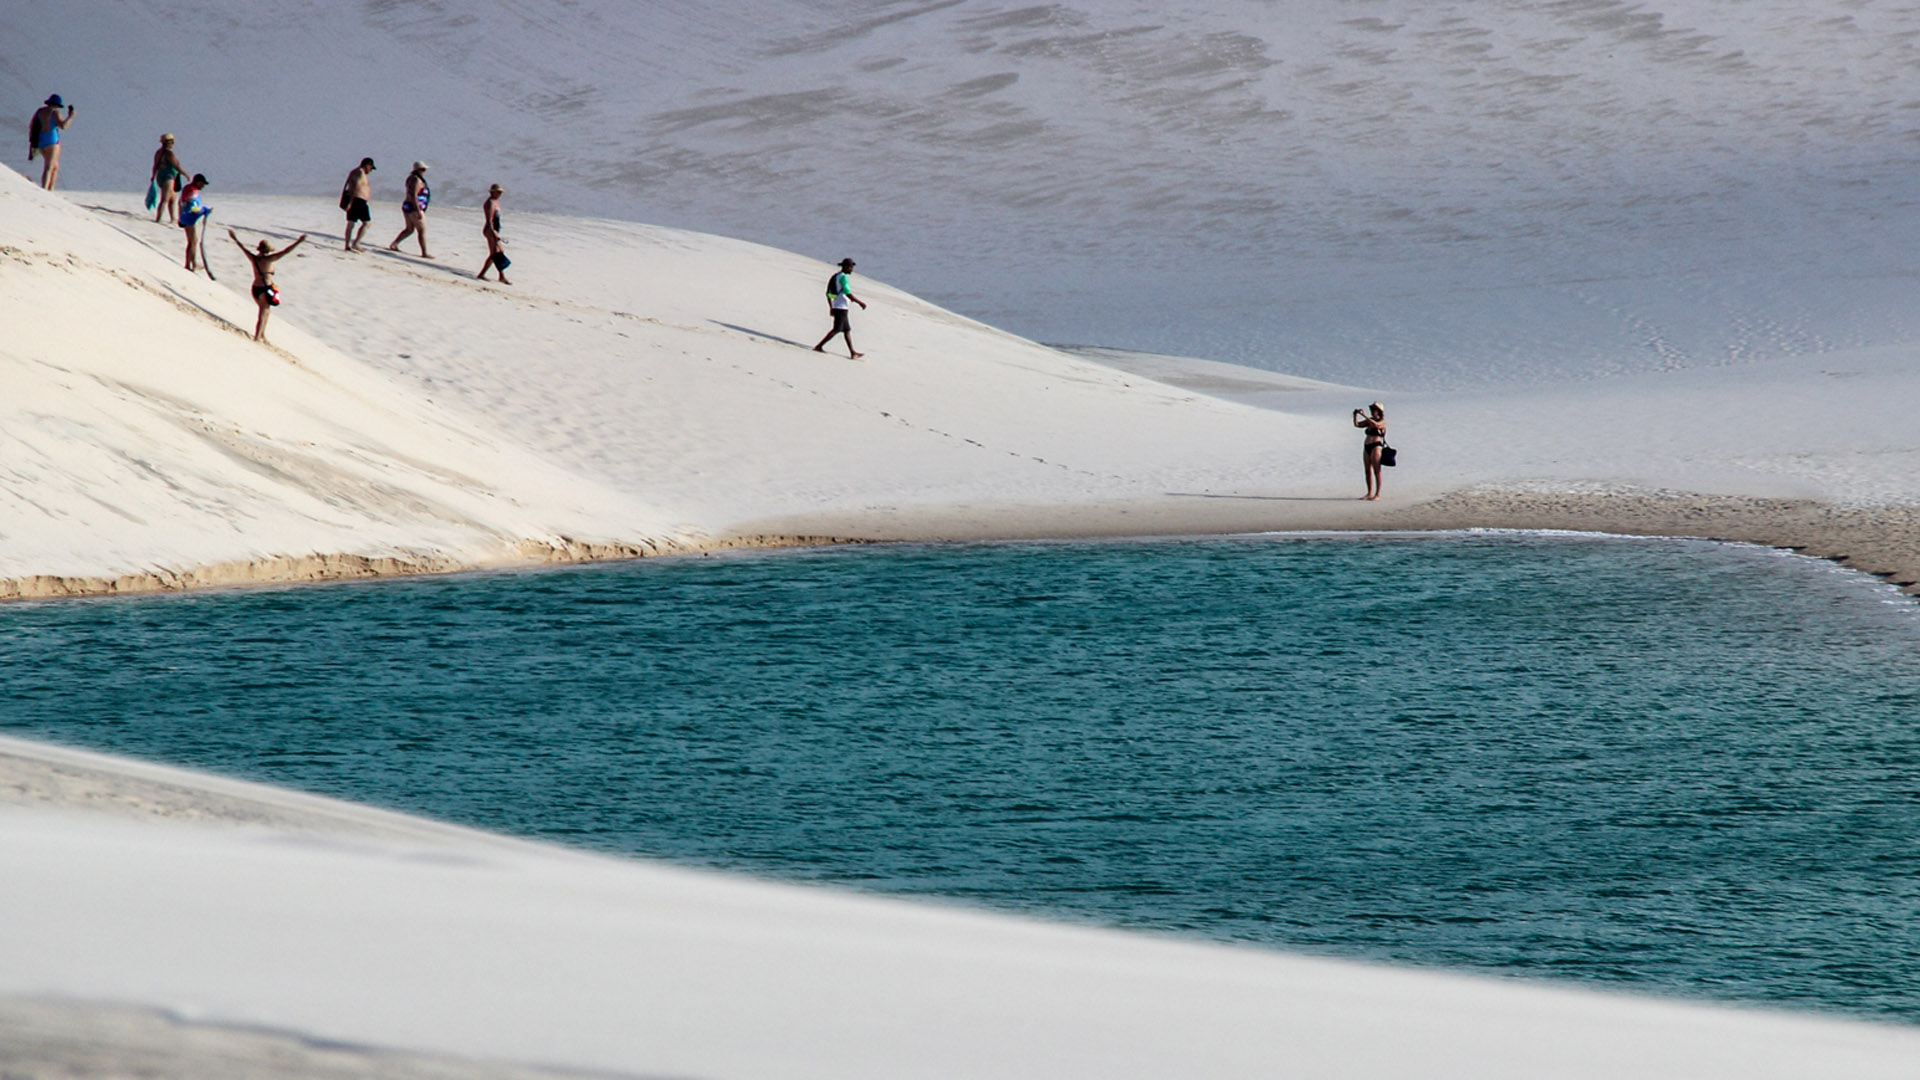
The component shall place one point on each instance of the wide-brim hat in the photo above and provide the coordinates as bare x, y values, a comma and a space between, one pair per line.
846, 262
496, 189
54, 100
419, 166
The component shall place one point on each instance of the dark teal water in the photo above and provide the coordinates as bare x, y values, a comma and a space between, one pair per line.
1684, 766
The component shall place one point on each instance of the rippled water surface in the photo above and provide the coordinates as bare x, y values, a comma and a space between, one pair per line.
1681, 765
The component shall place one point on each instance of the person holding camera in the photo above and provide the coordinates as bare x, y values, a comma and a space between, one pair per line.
1374, 421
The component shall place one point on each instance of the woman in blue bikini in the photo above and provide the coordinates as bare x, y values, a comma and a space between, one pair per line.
43, 138
414, 206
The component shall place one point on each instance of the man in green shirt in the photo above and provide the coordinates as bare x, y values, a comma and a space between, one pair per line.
839, 291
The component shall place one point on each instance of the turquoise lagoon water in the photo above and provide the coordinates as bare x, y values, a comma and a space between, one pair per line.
1682, 766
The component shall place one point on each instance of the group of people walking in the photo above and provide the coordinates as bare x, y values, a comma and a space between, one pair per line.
184, 205
356, 197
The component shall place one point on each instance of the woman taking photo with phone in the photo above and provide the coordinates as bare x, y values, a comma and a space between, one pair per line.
1374, 421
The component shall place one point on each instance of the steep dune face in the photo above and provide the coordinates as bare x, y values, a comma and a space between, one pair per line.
637, 389
1397, 193
146, 436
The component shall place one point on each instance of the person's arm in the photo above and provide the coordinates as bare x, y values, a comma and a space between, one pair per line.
290, 247
69, 119
238, 244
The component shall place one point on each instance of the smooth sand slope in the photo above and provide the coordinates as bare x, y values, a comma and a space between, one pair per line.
148, 442
289, 934
663, 382
640, 389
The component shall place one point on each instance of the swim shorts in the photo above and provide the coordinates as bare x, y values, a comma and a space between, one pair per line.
358, 210
841, 324
272, 294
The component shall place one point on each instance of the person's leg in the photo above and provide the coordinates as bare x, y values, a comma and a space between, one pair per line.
420, 230
260, 325
404, 233
852, 354
1366, 470
49, 166
190, 240
346, 238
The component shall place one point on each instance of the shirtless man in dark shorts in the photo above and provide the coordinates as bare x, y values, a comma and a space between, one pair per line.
353, 199
265, 296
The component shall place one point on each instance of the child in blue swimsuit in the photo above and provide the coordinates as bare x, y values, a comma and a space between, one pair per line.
192, 209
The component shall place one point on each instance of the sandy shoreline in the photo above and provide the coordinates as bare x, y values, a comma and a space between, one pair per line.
1881, 541
320, 569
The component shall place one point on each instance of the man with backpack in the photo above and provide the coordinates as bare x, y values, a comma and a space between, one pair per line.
839, 291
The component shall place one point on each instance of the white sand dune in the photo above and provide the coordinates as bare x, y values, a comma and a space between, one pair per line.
638, 389
144, 432
662, 380
359, 928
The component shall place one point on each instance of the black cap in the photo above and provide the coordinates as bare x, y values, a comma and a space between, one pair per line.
367, 161
846, 262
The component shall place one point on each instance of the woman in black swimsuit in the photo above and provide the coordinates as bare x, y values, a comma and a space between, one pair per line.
490, 228
1374, 420
265, 296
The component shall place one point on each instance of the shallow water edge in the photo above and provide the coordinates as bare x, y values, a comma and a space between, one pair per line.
1880, 541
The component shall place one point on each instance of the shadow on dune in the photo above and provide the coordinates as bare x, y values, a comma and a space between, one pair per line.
1261, 498
759, 334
